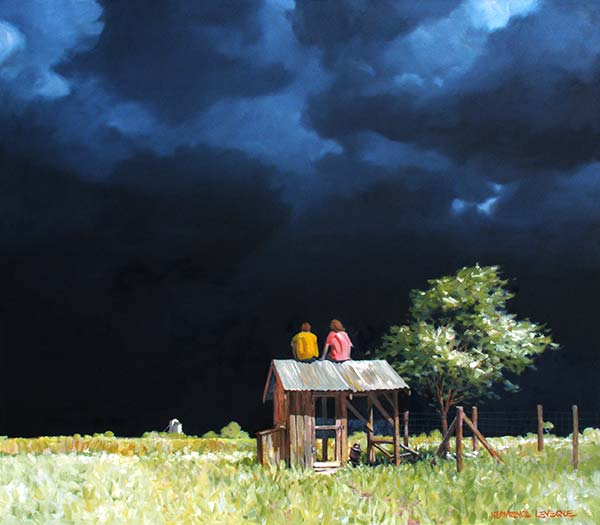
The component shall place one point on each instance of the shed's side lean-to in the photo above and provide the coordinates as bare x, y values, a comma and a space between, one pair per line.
311, 406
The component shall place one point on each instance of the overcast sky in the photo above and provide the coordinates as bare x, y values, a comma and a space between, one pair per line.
184, 182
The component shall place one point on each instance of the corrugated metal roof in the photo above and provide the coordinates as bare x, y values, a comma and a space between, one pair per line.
349, 376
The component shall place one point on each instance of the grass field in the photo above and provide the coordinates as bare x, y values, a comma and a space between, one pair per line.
157, 480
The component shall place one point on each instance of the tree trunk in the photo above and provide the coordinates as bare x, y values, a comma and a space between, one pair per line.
444, 419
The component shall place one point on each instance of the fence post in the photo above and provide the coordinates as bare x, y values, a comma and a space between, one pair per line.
540, 418
459, 438
474, 420
575, 437
405, 418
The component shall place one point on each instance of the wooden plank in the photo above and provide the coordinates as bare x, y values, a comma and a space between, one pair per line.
326, 427
396, 439
481, 438
260, 449
459, 439
383, 440
337, 449
280, 408
324, 393
474, 417
270, 430
446, 438
341, 400
266, 390
293, 429
338, 432
300, 430
307, 438
405, 418
312, 437
575, 436
540, 418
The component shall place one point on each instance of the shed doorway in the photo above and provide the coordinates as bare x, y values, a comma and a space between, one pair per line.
327, 439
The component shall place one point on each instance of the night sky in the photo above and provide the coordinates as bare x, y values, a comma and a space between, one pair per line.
183, 183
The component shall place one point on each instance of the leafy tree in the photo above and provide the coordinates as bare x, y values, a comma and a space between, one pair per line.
233, 431
461, 341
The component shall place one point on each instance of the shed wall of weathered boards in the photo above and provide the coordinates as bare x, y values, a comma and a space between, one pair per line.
296, 430
301, 428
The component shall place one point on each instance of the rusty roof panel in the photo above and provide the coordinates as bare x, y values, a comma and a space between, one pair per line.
349, 376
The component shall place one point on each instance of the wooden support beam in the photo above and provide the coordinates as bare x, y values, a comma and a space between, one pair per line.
352, 409
459, 439
381, 449
382, 410
405, 418
370, 432
442, 448
474, 417
326, 427
389, 398
484, 441
308, 409
410, 450
540, 418
385, 441
343, 421
575, 436
325, 453
396, 439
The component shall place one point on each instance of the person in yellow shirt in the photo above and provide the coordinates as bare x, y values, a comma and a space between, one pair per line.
304, 345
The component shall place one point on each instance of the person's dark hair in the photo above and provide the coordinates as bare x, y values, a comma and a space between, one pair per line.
336, 326
305, 327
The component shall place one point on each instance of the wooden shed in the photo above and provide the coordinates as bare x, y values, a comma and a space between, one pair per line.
311, 406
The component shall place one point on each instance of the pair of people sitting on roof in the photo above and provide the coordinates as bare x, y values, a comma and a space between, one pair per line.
304, 344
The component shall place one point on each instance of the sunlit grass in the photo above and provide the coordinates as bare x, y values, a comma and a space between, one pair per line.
198, 481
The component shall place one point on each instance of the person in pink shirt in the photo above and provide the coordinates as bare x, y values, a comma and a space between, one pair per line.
339, 342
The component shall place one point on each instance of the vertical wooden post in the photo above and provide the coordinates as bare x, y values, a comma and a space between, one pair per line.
474, 416
370, 433
325, 453
396, 429
344, 427
293, 429
459, 439
540, 418
575, 437
405, 428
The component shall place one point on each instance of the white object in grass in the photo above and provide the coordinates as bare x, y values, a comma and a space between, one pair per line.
175, 426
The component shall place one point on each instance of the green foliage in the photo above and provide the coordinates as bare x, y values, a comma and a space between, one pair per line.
460, 340
233, 431
211, 434
226, 487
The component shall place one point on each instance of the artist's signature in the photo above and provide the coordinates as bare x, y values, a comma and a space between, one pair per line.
541, 514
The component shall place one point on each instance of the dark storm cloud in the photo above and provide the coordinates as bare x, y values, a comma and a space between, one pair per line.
120, 287
350, 27
35, 37
181, 56
527, 99
146, 251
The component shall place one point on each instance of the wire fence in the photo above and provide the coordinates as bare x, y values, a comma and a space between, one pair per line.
493, 424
